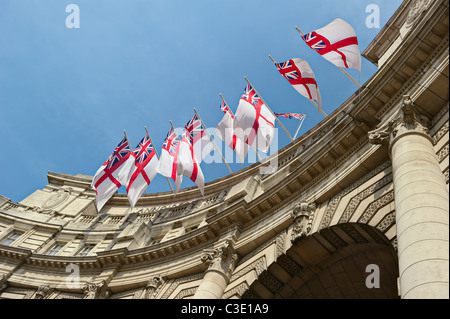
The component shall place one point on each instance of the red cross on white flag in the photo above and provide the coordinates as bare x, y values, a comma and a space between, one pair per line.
254, 123
143, 161
337, 43
301, 77
112, 174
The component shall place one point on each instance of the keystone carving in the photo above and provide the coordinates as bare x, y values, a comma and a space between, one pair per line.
302, 214
92, 290
43, 292
152, 286
415, 10
222, 259
407, 119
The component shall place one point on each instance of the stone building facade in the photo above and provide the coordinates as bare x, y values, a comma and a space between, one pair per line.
356, 208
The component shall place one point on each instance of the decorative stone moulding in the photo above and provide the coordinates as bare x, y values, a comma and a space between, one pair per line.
152, 287
415, 10
92, 290
43, 292
407, 120
60, 197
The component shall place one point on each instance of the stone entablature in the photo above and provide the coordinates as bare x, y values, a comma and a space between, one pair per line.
330, 176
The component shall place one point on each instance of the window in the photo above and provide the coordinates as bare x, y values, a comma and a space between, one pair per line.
54, 250
86, 250
11, 238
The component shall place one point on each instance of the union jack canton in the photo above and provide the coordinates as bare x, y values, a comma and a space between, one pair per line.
120, 152
144, 151
171, 143
322, 45
251, 97
193, 131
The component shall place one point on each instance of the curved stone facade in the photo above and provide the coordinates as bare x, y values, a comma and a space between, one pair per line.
335, 205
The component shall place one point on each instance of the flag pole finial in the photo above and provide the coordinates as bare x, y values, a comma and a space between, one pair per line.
126, 136
272, 59
173, 127
299, 31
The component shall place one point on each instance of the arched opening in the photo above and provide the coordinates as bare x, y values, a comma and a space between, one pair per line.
344, 261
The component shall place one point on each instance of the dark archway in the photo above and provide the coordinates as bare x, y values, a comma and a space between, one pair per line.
332, 264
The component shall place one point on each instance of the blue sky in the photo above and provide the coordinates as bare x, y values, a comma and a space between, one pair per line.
67, 95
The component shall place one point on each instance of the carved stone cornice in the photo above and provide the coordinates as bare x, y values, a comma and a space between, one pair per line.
407, 120
43, 292
14, 252
222, 259
152, 286
302, 214
92, 290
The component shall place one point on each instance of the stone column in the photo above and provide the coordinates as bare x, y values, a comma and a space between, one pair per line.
421, 204
221, 265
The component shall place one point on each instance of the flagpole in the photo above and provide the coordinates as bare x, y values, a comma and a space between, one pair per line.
127, 139
173, 127
313, 102
276, 118
299, 126
319, 108
259, 158
157, 156
226, 103
213, 141
272, 59
342, 70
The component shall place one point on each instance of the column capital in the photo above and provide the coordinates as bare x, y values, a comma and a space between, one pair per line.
222, 259
152, 286
407, 120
